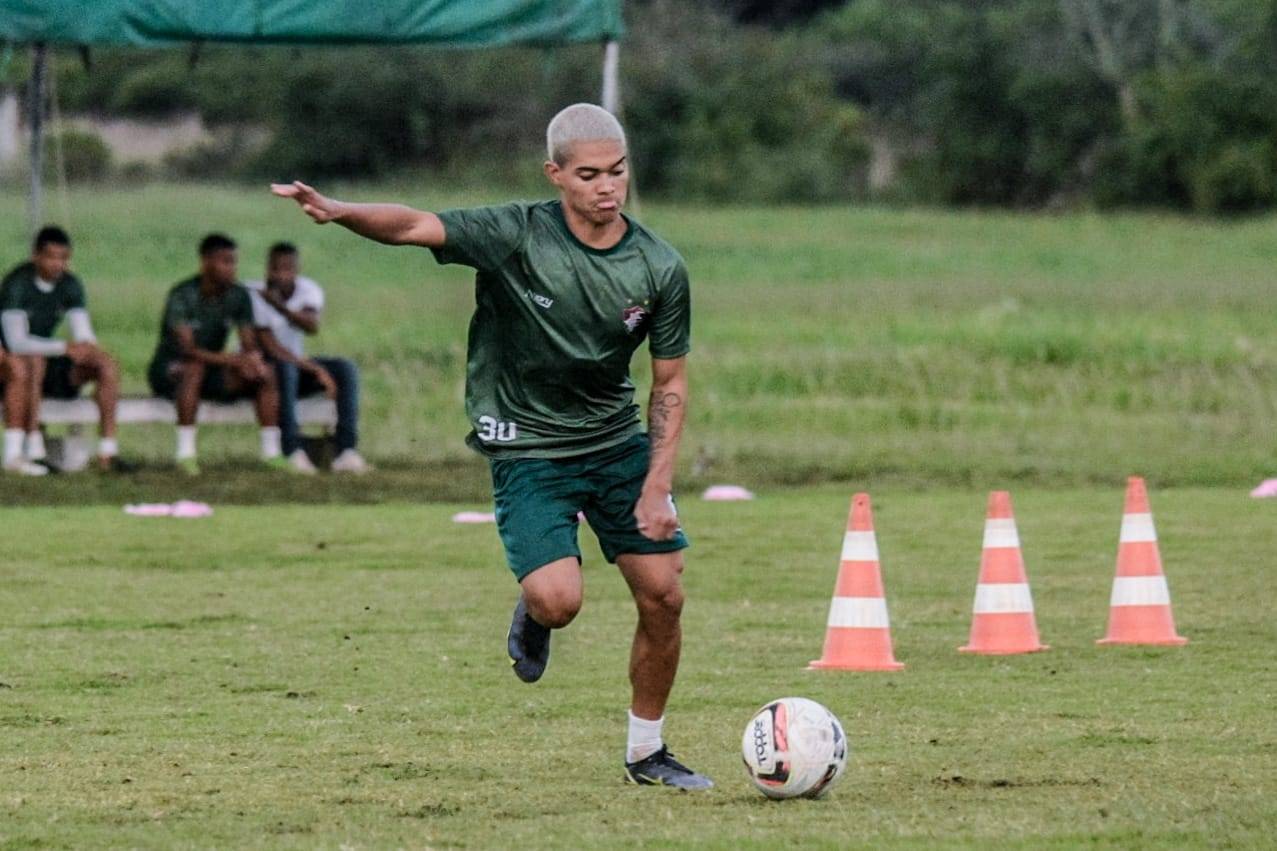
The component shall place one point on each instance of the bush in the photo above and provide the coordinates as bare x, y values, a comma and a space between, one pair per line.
1238, 177
717, 113
1205, 141
85, 156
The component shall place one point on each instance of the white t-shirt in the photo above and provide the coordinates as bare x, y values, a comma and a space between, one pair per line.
307, 295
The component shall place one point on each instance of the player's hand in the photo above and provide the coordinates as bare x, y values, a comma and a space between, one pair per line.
325, 379
655, 515
81, 353
274, 299
319, 207
250, 366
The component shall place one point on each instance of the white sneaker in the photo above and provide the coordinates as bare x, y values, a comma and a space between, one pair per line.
300, 463
350, 461
24, 467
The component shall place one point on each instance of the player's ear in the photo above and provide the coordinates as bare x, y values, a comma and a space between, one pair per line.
552, 171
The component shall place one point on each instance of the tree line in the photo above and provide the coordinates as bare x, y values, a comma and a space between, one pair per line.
1168, 103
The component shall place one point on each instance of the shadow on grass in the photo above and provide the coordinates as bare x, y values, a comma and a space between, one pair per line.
246, 484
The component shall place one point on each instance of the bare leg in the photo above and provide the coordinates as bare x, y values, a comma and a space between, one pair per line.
267, 401
14, 373
553, 593
187, 400
104, 374
655, 581
35, 390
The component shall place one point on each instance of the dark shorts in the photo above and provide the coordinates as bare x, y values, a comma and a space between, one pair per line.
163, 381
58, 381
537, 500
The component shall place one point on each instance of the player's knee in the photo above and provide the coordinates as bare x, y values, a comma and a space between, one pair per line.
666, 602
557, 611
108, 370
14, 369
345, 370
189, 371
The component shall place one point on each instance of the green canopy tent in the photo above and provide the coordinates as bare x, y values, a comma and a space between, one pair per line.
151, 23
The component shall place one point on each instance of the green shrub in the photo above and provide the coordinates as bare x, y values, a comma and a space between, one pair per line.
1238, 177
85, 156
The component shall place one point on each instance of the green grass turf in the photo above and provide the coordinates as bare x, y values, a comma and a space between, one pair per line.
830, 343
334, 676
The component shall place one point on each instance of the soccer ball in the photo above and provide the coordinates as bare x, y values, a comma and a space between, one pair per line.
794, 748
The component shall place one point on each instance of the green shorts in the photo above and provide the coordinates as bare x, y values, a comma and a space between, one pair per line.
537, 501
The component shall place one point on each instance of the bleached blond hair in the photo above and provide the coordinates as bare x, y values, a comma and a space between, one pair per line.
580, 122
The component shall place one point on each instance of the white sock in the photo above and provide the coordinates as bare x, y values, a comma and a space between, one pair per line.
185, 442
13, 444
35, 445
108, 447
270, 442
644, 739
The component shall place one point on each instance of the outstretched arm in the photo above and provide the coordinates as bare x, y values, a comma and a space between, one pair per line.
666, 412
393, 224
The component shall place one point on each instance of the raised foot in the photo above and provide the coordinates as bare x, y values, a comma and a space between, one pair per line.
528, 644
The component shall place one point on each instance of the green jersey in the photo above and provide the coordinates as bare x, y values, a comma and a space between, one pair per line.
556, 323
210, 318
44, 309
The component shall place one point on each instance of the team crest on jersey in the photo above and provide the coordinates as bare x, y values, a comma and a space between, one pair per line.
633, 317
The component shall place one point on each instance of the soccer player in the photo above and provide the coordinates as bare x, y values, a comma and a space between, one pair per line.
13, 376
286, 307
566, 290
189, 363
34, 298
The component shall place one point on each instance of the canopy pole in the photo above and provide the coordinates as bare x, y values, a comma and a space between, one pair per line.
611, 90
35, 203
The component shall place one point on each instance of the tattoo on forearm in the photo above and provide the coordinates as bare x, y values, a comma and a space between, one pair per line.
658, 415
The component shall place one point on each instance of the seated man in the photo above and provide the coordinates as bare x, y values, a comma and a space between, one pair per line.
13, 376
286, 307
33, 299
189, 363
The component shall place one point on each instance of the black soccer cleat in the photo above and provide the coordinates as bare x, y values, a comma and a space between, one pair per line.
661, 769
528, 645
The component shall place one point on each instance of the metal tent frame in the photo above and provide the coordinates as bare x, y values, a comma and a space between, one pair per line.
37, 93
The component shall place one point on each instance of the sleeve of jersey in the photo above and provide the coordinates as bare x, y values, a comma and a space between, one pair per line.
671, 335
314, 298
261, 310
175, 312
242, 308
75, 296
482, 237
9, 297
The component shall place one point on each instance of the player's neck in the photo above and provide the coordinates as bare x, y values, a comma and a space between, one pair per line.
600, 236
210, 288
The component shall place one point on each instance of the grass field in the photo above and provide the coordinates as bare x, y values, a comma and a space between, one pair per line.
323, 675
316, 677
830, 343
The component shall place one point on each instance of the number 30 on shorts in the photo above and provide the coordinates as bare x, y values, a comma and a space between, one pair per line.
491, 429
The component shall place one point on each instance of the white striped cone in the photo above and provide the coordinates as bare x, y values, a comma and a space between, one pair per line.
858, 633
1002, 620
1140, 605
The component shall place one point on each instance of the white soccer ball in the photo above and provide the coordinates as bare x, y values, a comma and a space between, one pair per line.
794, 748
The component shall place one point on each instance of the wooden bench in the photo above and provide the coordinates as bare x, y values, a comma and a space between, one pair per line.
77, 414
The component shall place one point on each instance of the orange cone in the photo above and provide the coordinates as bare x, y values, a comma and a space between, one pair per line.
1140, 607
858, 635
1003, 621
